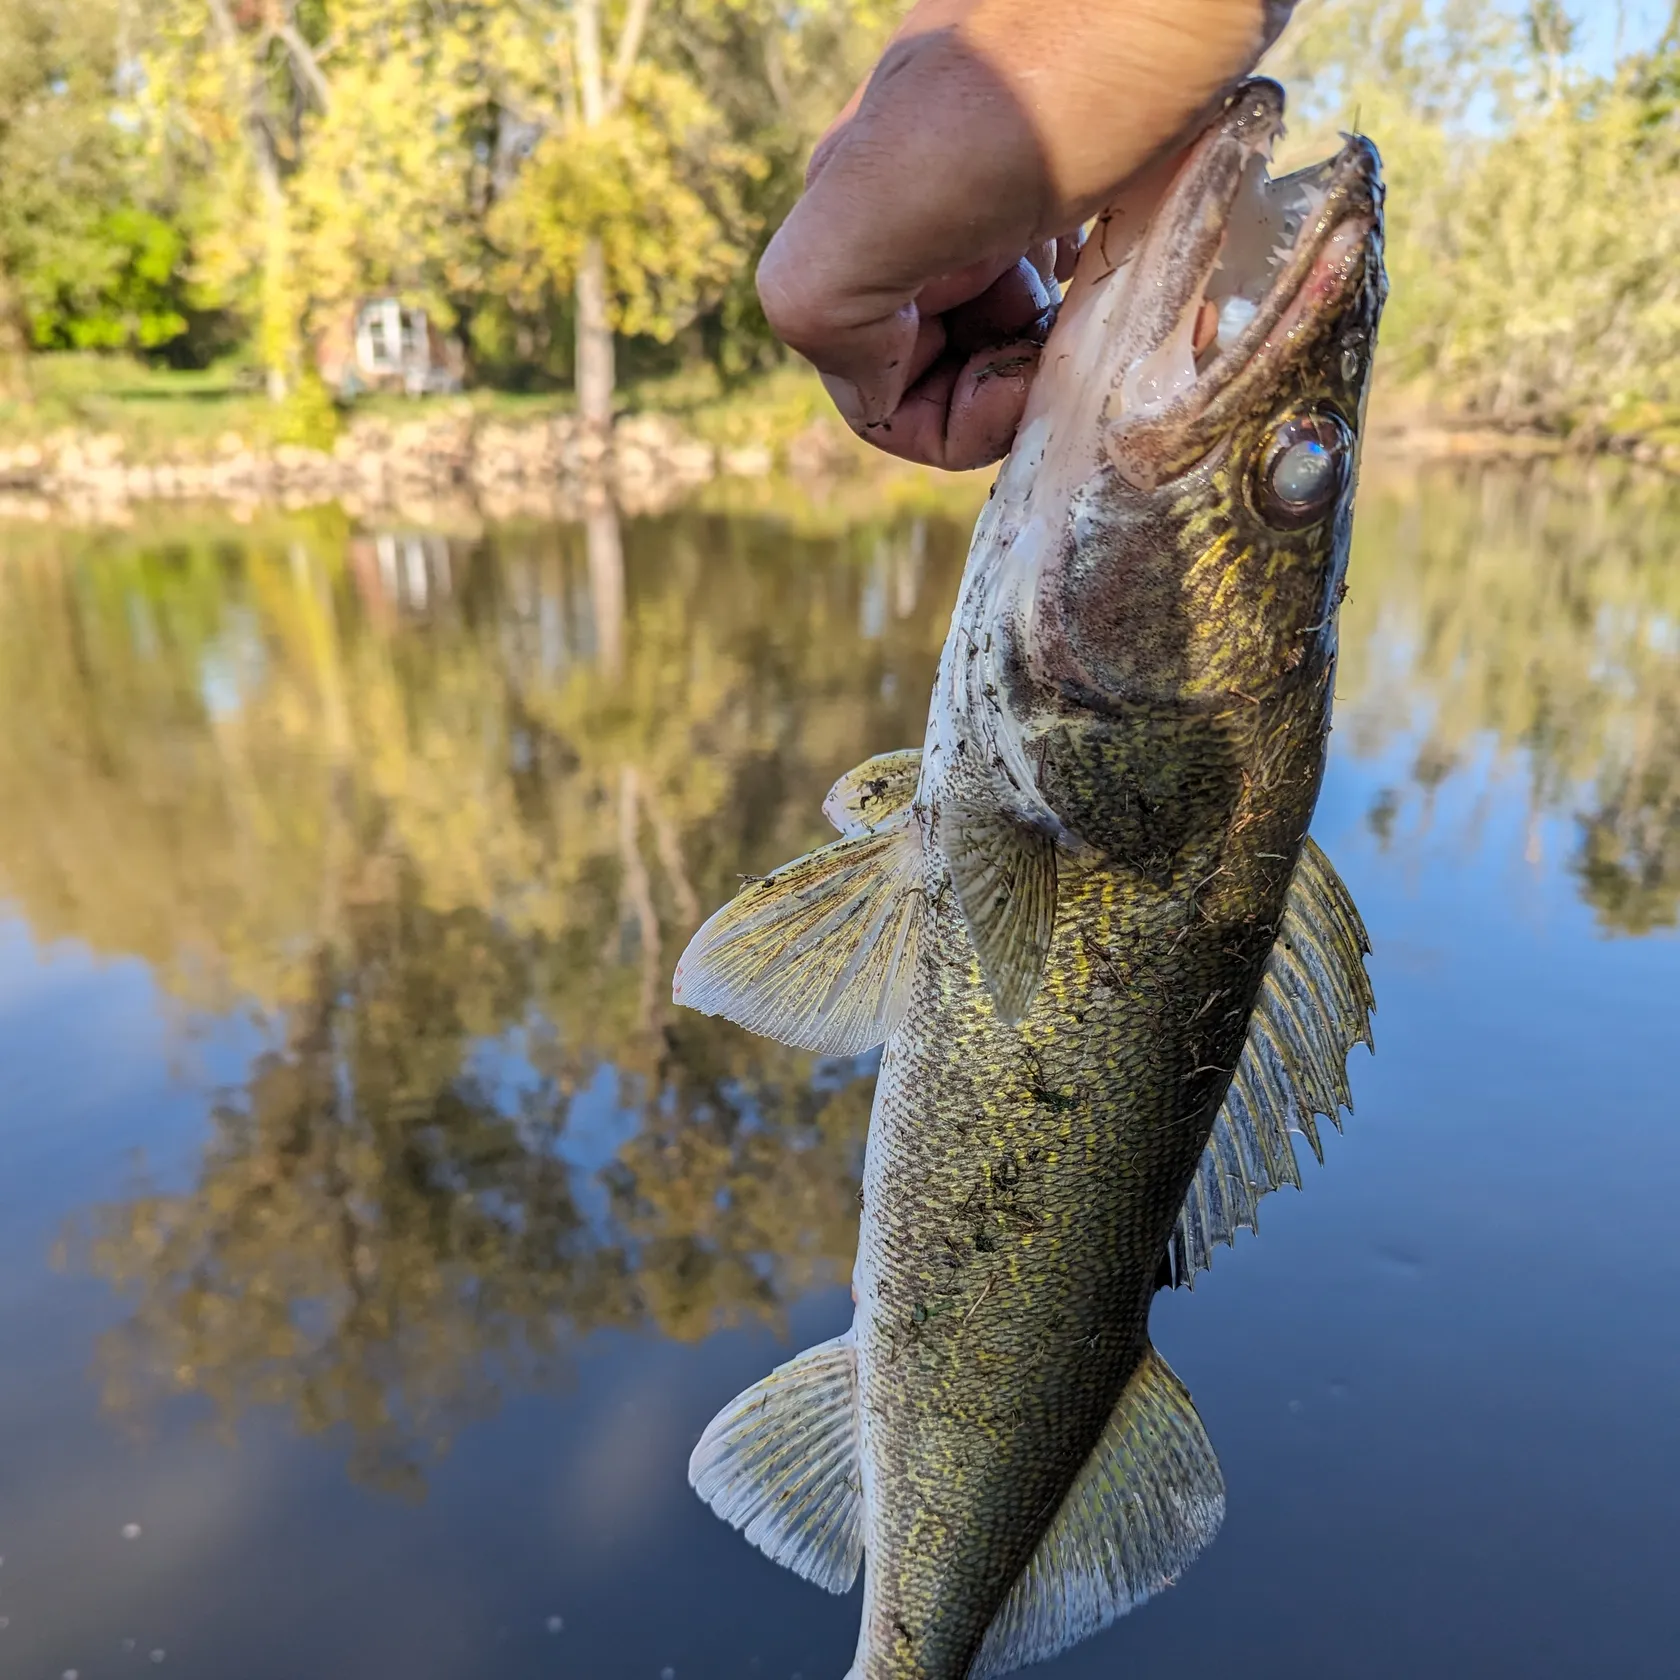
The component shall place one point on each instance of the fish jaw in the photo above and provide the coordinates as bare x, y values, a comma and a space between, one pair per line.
1133, 553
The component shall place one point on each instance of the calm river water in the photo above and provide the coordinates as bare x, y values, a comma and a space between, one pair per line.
375, 1238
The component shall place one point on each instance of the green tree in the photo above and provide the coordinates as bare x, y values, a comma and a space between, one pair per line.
633, 198
66, 242
776, 75
1533, 209
121, 289
229, 85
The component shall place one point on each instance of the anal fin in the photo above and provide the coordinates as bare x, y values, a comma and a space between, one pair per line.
1314, 1005
780, 1463
1149, 1499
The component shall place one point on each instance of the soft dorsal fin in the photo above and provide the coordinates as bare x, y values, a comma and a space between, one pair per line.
1314, 1005
869, 797
820, 954
780, 1463
1148, 1500
1004, 875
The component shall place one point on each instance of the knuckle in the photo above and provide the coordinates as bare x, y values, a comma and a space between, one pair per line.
796, 307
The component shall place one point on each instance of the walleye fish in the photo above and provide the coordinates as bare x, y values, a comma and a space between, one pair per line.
1110, 970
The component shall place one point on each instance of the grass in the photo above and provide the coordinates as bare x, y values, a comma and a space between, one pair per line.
152, 410
158, 412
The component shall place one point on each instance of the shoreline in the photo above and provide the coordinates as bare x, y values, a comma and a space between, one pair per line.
549, 468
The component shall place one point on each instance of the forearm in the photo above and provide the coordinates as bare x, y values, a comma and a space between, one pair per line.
1099, 86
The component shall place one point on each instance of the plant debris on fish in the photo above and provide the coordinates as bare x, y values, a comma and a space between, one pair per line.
1110, 970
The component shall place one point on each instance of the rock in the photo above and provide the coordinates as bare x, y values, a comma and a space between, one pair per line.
537, 467
822, 449
752, 461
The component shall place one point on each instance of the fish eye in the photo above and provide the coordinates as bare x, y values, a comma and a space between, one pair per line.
1303, 470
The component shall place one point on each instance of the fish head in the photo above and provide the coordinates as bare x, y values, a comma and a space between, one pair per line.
1180, 495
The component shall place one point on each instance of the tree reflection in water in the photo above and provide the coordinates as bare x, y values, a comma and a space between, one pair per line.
438, 815
392, 797
1533, 614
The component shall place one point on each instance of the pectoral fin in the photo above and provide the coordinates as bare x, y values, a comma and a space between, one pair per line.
780, 1463
1148, 1500
821, 954
880, 789
1314, 1005
1004, 875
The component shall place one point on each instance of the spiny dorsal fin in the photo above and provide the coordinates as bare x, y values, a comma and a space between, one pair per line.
780, 1463
820, 954
1004, 874
869, 797
1314, 1005
1148, 1500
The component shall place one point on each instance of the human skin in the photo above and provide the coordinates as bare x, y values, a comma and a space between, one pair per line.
918, 272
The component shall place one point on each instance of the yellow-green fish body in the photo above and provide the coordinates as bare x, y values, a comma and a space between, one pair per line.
1109, 970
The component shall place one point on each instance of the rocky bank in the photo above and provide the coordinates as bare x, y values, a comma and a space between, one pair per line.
449, 456
505, 470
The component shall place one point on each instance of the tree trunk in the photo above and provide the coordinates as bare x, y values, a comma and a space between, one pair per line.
16, 382
595, 376
245, 89
594, 324
275, 329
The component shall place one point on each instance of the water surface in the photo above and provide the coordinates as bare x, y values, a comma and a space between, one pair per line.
375, 1238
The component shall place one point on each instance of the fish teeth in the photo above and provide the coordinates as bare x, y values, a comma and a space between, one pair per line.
1235, 313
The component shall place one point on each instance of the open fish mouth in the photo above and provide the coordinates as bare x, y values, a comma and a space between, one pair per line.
1235, 275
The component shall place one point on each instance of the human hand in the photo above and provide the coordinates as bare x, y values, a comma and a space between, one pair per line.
919, 272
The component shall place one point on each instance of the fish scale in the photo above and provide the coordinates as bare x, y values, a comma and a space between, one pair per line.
1111, 973
972, 1278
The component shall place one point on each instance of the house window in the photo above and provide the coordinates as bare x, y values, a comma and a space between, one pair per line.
383, 337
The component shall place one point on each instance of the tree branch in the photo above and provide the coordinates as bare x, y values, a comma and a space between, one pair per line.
629, 47
222, 18
303, 56
243, 100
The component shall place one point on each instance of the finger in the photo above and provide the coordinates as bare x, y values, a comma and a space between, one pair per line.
824, 148
987, 403
963, 414
938, 172
865, 339
1068, 247
929, 345
1016, 305
963, 285
965, 380
1043, 258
